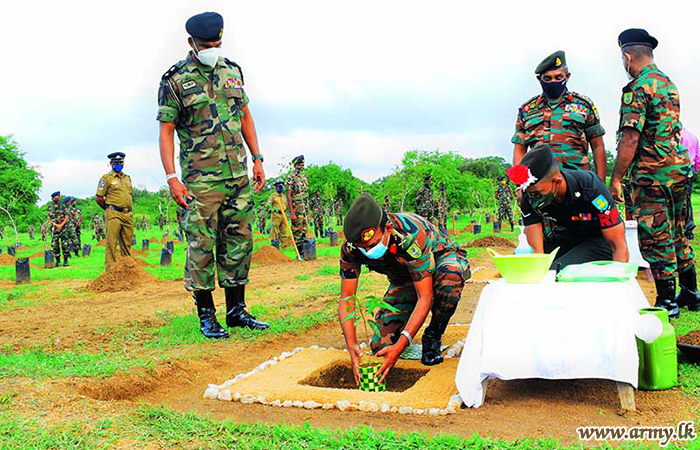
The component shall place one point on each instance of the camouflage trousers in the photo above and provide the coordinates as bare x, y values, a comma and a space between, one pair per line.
70, 232
661, 212
425, 211
60, 242
300, 226
219, 218
505, 213
451, 271
100, 233
318, 223
261, 224
78, 242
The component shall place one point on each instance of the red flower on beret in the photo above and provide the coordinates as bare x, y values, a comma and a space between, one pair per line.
518, 174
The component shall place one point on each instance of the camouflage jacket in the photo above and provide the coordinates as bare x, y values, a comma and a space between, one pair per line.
414, 247
567, 127
651, 105
77, 217
424, 202
504, 193
206, 104
387, 205
338, 207
317, 205
442, 205
298, 187
56, 212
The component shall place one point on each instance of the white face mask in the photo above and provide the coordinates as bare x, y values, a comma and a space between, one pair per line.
209, 56
627, 68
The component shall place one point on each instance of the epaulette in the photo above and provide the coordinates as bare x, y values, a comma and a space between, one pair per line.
233, 64
175, 67
585, 99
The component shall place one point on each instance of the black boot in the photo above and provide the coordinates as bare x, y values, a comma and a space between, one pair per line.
77, 253
512, 227
236, 315
275, 243
65, 260
208, 325
688, 296
432, 339
665, 293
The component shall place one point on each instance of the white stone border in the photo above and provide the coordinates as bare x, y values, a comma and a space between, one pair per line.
215, 392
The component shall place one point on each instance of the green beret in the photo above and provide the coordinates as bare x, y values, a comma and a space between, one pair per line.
362, 220
553, 61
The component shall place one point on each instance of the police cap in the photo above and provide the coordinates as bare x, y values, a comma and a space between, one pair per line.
116, 157
207, 26
636, 36
362, 220
551, 62
298, 160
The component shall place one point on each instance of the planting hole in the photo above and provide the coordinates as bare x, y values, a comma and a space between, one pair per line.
338, 375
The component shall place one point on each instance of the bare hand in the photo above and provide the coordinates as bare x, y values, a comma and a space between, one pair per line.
293, 216
355, 360
178, 190
258, 175
616, 190
391, 354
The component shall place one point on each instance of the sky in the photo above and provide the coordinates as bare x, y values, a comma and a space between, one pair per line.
357, 83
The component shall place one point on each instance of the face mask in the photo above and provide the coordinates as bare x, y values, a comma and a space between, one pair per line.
541, 201
280, 189
375, 252
208, 56
627, 68
553, 89
55, 200
118, 167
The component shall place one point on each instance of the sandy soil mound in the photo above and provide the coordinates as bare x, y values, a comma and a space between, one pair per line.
7, 260
692, 338
37, 255
260, 239
467, 229
269, 255
126, 275
492, 241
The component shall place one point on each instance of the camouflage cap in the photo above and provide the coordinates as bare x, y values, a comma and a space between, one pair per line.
362, 220
551, 62
207, 26
636, 36
534, 166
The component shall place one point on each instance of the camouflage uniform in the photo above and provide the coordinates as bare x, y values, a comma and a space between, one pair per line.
44, 230
70, 227
567, 127
424, 202
442, 211
78, 222
659, 171
317, 211
206, 104
387, 205
144, 223
59, 239
98, 226
261, 214
416, 250
338, 206
504, 195
31, 229
298, 188
180, 216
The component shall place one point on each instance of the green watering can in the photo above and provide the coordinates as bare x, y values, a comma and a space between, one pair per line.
658, 364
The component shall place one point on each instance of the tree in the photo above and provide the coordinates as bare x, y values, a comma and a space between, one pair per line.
20, 183
488, 167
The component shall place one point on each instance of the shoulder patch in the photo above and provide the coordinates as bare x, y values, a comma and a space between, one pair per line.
233, 64
414, 251
173, 69
627, 98
601, 203
101, 184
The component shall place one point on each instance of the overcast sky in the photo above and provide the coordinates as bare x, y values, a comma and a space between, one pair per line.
357, 83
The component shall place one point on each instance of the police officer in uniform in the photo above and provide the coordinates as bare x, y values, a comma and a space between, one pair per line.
565, 120
426, 273
589, 226
203, 100
114, 193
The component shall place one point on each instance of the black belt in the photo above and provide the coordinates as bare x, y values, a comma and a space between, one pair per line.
119, 209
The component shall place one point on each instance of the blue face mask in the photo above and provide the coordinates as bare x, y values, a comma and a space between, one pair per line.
280, 189
375, 252
118, 167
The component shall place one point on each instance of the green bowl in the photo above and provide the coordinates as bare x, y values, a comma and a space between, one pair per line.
524, 269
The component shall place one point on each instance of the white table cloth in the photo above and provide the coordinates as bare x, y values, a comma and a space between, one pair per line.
551, 330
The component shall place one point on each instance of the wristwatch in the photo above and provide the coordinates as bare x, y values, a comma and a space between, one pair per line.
258, 156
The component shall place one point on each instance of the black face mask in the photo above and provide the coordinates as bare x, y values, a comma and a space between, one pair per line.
553, 89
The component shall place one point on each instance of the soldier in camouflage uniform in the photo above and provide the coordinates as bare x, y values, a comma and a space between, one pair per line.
387, 205
317, 211
425, 269
44, 230
144, 223
203, 100
58, 216
650, 152
297, 196
565, 120
98, 226
424, 200
77, 223
504, 195
338, 207
442, 210
31, 229
261, 213
70, 225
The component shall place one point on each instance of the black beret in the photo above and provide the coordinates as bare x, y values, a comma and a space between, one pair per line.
553, 61
534, 166
66, 200
207, 26
55, 194
116, 156
279, 183
636, 36
298, 160
362, 220
427, 177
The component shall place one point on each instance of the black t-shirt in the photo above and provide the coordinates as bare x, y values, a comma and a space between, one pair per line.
587, 208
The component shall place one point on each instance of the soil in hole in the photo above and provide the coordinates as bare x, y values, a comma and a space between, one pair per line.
492, 241
692, 338
338, 375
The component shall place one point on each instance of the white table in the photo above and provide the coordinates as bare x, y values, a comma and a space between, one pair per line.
552, 331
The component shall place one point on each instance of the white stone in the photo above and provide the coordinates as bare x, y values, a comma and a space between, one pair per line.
342, 405
418, 411
298, 404
455, 401
298, 349
285, 355
443, 412
276, 403
433, 411
451, 409
261, 399
353, 407
237, 396
363, 344
311, 405
287, 404
368, 406
328, 406
247, 399
315, 347
394, 409
405, 410
384, 407
225, 395
212, 392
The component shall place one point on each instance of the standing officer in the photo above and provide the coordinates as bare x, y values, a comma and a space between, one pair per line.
114, 192
297, 196
31, 230
317, 210
589, 225
649, 150
278, 206
387, 204
99, 227
202, 98
57, 215
565, 120
424, 200
442, 210
426, 273
78, 222
44, 230
338, 207
70, 225
504, 195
